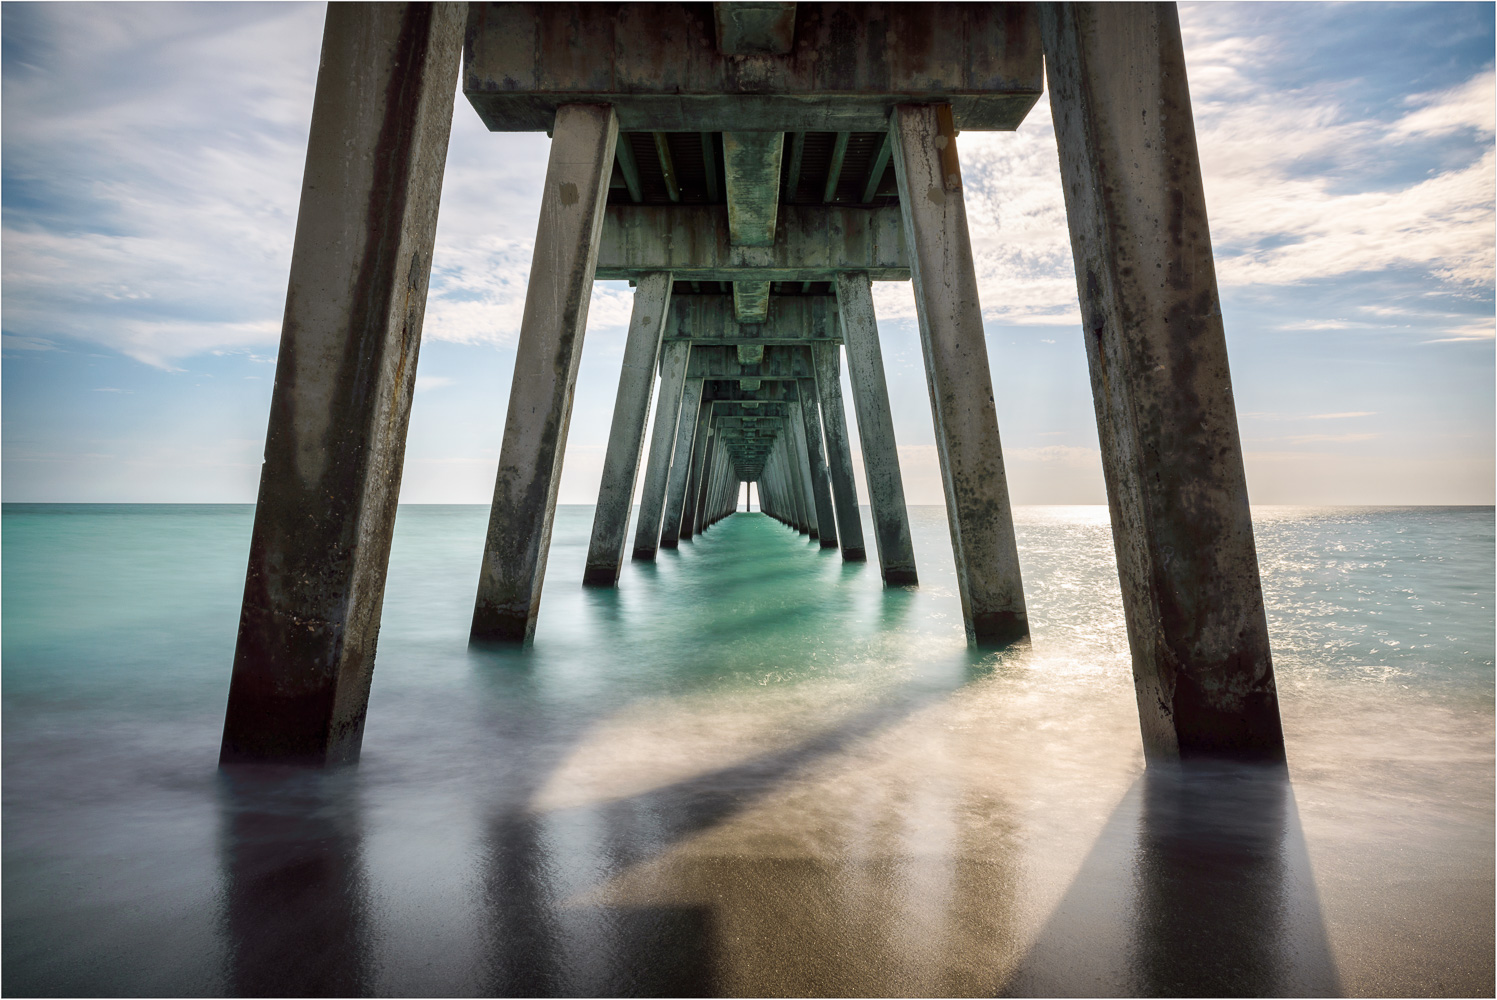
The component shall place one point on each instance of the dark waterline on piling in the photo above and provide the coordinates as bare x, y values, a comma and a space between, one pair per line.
750, 769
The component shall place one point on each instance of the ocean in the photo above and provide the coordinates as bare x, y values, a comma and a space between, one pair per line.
750, 769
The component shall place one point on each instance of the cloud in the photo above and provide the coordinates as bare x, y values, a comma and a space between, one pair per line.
1291, 178
425, 383
1468, 106
155, 218
1479, 330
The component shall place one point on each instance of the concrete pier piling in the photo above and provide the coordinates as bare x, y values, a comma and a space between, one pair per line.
796, 440
821, 481
631, 411
686, 431
697, 458
344, 377
870, 393
672, 400
546, 359
1157, 351
828, 385
956, 369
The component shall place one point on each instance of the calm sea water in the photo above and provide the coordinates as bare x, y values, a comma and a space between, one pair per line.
749, 769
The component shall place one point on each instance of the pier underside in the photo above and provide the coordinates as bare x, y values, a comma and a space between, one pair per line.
751, 169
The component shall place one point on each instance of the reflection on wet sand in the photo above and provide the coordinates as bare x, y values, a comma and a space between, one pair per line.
295, 906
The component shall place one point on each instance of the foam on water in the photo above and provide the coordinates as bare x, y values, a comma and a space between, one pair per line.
749, 769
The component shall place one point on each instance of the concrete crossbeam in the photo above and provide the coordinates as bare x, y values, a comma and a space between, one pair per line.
780, 362
812, 243
957, 374
782, 391
1157, 350
791, 319
660, 66
315, 580
546, 359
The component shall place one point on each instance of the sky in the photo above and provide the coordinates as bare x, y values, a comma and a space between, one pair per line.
150, 168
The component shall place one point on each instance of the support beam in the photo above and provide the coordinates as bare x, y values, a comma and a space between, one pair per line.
660, 65
834, 168
797, 159
540, 397
751, 164
758, 28
663, 443
821, 483
709, 164
778, 362
956, 368
629, 167
828, 386
750, 302
667, 166
692, 407
870, 393
626, 435
876, 171
1158, 357
813, 242
790, 319
315, 580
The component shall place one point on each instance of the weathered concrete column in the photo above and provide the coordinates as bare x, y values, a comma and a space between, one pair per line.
701, 479
692, 407
792, 486
1158, 357
694, 471
778, 463
699, 509
668, 405
870, 394
631, 411
796, 439
336, 441
821, 482
540, 397
956, 369
828, 385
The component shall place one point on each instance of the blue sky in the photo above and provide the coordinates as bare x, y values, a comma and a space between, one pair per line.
152, 161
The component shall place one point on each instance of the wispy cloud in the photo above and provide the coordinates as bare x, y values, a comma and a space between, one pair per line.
425, 383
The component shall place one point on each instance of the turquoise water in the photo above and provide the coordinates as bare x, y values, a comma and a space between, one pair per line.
749, 769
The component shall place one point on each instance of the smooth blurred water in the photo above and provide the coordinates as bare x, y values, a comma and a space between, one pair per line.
749, 769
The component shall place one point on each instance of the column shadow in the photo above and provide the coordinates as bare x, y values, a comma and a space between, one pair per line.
1199, 885
539, 945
